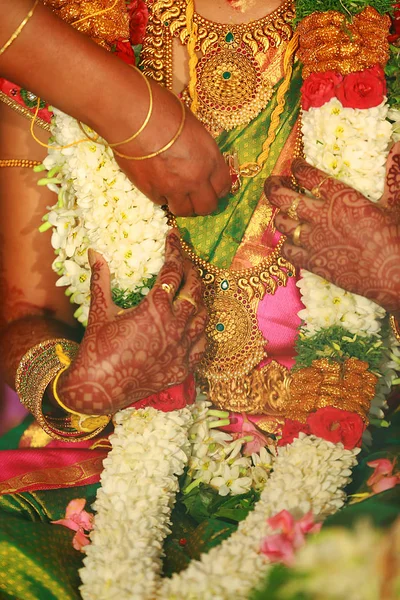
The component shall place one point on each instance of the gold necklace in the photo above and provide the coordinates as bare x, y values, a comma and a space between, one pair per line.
231, 85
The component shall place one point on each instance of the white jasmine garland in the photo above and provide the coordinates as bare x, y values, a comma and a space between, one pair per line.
308, 475
351, 144
216, 458
149, 451
98, 207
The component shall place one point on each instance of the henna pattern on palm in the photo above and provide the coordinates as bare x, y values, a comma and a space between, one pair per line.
344, 237
128, 355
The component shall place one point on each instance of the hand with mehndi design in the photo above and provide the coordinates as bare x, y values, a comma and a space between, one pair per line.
127, 355
344, 237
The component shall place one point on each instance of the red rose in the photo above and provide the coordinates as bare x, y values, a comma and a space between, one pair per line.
138, 17
173, 398
124, 51
363, 89
319, 88
337, 425
291, 430
395, 28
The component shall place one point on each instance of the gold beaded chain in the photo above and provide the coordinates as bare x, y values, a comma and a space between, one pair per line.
25, 163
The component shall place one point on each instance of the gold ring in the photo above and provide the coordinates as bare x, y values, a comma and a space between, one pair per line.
296, 235
167, 288
315, 190
183, 296
292, 210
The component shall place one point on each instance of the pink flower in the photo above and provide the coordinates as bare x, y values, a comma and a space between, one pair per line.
249, 429
382, 478
278, 548
79, 520
281, 547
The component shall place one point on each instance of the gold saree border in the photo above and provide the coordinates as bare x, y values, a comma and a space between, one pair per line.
57, 477
23, 111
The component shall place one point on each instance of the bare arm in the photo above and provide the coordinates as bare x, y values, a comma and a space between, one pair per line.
87, 82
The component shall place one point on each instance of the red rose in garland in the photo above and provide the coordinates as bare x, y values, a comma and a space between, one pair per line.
319, 88
138, 17
124, 51
335, 425
364, 89
291, 430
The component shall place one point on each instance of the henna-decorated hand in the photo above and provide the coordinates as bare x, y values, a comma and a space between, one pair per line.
344, 237
127, 355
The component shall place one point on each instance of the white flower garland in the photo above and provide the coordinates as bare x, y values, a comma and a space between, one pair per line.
149, 451
98, 207
139, 482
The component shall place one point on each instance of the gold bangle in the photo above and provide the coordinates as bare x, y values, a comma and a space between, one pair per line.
164, 148
19, 28
395, 327
138, 132
81, 422
25, 163
35, 372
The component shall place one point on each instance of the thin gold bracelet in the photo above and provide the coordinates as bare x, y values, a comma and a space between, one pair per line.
138, 132
395, 327
80, 421
164, 148
19, 28
25, 163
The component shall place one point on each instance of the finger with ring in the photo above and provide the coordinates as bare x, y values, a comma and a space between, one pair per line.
296, 235
183, 296
292, 210
167, 288
316, 190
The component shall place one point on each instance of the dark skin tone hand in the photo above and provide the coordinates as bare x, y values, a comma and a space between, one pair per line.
127, 355
344, 237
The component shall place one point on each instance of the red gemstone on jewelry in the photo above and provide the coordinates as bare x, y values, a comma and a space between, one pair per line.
14, 92
183, 542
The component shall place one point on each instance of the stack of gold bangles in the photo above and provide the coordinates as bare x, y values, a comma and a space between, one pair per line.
41, 365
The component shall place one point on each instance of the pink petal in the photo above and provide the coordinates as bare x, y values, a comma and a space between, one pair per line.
75, 507
278, 548
385, 483
80, 540
282, 520
308, 525
67, 523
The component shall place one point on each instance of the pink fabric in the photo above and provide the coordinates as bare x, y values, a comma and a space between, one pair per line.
279, 323
35, 468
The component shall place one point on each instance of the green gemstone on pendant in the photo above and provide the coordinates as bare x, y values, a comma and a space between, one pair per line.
225, 285
166, 23
220, 327
229, 37
226, 75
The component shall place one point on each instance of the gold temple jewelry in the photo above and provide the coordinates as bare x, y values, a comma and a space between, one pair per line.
164, 148
81, 422
292, 210
25, 163
296, 235
19, 28
230, 85
183, 296
95, 14
192, 28
36, 370
395, 327
316, 190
